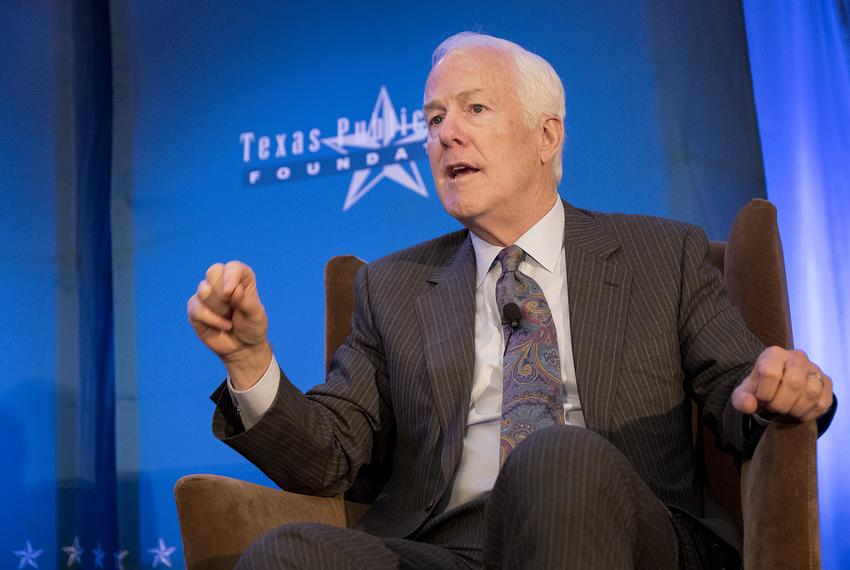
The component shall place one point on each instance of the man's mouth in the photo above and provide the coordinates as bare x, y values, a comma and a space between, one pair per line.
459, 170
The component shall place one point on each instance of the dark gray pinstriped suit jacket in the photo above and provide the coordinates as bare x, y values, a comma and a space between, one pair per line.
651, 327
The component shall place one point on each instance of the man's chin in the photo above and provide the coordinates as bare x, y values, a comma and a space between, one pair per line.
472, 220
462, 212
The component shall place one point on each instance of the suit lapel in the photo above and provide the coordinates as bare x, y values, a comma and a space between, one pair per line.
446, 316
598, 288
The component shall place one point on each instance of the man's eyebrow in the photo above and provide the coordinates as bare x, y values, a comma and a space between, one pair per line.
432, 105
438, 104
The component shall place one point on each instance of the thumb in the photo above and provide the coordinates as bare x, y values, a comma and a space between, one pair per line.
744, 397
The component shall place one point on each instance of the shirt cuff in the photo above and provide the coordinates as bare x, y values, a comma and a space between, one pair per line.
254, 402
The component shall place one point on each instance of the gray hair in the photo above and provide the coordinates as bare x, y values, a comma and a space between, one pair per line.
539, 89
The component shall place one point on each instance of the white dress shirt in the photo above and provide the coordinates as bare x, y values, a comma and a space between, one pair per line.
479, 464
543, 242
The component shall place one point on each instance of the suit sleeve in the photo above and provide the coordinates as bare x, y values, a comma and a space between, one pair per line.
718, 351
315, 443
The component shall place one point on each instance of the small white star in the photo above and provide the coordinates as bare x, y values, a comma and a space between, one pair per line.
162, 554
119, 556
74, 552
28, 556
98, 556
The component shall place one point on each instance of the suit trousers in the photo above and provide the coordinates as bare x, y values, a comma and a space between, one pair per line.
565, 498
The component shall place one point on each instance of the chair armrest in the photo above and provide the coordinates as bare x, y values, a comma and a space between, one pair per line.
780, 500
221, 516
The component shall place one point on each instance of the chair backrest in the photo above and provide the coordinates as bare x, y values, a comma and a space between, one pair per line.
753, 267
777, 494
340, 272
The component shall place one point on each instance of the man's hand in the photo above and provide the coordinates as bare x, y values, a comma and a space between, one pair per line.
229, 318
784, 383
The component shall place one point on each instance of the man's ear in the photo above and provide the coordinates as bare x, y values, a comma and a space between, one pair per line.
551, 138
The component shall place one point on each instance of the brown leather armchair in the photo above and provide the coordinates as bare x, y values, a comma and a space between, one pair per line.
773, 497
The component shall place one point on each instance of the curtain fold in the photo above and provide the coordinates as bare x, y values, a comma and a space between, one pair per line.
87, 515
800, 62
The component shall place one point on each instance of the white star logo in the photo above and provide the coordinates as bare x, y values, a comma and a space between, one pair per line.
74, 552
119, 556
28, 556
162, 554
384, 130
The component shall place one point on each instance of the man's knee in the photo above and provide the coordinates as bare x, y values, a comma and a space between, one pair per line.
569, 455
568, 481
287, 546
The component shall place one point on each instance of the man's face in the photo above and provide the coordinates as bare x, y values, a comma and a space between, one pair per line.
484, 157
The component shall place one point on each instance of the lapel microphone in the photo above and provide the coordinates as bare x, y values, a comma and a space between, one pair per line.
511, 315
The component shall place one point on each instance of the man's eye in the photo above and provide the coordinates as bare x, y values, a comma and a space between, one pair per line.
436, 120
478, 108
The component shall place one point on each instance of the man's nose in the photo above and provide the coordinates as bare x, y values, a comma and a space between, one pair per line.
451, 131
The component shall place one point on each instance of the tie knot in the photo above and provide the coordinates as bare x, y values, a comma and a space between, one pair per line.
510, 258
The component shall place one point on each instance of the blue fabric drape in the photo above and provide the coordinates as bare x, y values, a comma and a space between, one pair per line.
87, 507
800, 61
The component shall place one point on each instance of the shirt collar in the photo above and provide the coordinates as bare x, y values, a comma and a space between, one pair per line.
543, 242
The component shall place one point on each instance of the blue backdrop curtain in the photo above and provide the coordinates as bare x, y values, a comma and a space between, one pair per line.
800, 60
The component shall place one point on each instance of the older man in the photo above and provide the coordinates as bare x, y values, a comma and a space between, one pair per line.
525, 381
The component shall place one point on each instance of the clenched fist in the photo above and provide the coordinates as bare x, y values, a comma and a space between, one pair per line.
229, 318
784, 383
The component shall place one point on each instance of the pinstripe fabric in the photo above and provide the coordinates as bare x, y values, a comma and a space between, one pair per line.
319, 547
651, 327
567, 498
450, 541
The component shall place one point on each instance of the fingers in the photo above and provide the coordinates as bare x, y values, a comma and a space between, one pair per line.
221, 281
792, 383
211, 291
246, 300
825, 400
819, 391
203, 317
226, 311
743, 398
233, 274
237, 284
222, 291
767, 373
811, 393
787, 383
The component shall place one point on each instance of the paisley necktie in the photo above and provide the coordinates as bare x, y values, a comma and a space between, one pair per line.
531, 388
